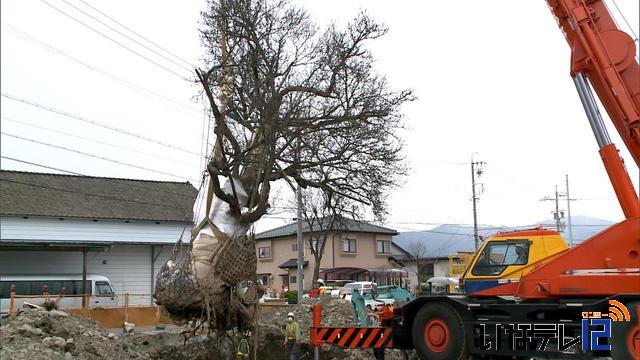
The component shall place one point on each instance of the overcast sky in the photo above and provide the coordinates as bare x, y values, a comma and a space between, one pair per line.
492, 79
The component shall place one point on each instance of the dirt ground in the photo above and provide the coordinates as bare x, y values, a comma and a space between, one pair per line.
35, 334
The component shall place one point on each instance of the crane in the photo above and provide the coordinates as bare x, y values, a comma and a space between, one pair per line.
526, 292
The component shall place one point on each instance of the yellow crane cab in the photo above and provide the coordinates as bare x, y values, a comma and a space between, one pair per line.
505, 257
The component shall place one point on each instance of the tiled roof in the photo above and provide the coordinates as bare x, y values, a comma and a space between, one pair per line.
55, 195
344, 224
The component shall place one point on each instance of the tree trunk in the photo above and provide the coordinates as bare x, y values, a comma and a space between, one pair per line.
316, 268
318, 252
221, 257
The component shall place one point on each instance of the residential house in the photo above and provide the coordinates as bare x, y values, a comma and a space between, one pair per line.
354, 250
123, 229
451, 266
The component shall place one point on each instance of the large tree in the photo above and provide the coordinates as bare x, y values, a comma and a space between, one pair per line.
290, 102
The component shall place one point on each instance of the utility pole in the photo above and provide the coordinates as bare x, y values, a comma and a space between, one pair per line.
477, 168
300, 262
566, 177
557, 214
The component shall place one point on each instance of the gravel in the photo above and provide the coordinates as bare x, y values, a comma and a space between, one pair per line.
35, 334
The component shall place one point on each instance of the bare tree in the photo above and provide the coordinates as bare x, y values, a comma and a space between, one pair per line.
418, 251
288, 102
323, 215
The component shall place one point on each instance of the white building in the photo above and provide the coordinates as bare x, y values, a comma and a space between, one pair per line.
123, 229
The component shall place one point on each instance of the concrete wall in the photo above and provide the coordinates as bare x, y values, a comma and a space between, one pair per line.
365, 257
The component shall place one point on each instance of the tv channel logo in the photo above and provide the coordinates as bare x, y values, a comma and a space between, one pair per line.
597, 325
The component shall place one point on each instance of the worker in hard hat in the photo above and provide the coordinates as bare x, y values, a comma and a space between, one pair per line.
321, 287
292, 337
242, 353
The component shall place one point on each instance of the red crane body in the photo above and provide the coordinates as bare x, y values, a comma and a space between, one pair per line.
588, 278
609, 262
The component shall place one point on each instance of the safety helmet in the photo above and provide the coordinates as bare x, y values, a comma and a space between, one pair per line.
290, 314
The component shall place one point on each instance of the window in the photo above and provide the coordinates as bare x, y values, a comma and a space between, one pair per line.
103, 288
497, 256
78, 287
5, 289
294, 247
264, 279
349, 245
383, 246
264, 252
53, 287
293, 279
70, 289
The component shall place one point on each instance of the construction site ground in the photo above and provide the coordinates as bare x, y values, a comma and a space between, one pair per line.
35, 334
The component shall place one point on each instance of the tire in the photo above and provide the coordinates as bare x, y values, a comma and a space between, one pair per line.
623, 333
438, 333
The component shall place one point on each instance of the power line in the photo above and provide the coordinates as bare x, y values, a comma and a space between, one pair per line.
124, 82
106, 126
630, 28
39, 165
126, 36
95, 156
113, 40
140, 36
96, 141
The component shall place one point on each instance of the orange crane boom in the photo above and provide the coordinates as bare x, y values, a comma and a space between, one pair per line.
605, 57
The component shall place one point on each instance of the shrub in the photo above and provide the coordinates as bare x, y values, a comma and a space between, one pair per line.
291, 296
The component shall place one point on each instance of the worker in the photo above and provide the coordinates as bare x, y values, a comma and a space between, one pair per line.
243, 349
374, 321
292, 337
522, 255
321, 286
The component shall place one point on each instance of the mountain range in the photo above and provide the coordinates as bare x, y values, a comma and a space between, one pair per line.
448, 239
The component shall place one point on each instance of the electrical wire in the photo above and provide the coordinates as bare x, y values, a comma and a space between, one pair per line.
127, 36
635, 36
95, 156
113, 40
39, 165
137, 34
124, 82
96, 141
96, 123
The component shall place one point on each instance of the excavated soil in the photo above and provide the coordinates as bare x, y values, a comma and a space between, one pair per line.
35, 334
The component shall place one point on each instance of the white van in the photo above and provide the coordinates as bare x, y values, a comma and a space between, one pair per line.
99, 287
362, 286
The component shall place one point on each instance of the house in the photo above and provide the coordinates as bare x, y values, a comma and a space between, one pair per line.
452, 266
123, 229
355, 250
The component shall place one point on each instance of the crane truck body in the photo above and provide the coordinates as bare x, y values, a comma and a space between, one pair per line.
527, 294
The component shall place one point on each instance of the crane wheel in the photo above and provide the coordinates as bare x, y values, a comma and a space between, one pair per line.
625, 335
438, 333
